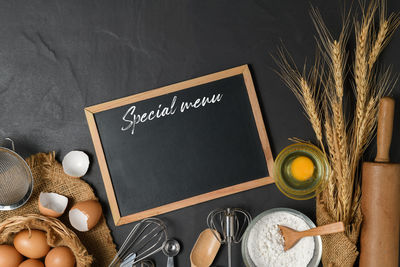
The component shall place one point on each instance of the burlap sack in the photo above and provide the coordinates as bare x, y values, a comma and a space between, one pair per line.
49, 176
338, 250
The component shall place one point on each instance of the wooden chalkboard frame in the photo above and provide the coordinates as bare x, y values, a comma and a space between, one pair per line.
90, 111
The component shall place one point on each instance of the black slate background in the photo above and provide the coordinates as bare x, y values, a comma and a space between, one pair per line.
56, 57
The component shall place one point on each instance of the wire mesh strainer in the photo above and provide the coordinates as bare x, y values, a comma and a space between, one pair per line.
16, 182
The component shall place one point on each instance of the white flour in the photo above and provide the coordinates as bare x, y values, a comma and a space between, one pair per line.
265, 244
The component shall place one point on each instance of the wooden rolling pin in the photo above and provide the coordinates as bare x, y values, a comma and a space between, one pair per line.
380, 203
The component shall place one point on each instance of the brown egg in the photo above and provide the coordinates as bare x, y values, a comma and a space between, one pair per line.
32, 244
84, 215
32, 263
60, 257
9, 256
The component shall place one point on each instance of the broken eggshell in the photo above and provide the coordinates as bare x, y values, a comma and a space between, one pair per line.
76, 163
84, 215
52, 204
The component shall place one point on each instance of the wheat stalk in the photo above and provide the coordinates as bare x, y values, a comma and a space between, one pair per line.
335, 56
361, 68
387, 27
304, 90
331, 187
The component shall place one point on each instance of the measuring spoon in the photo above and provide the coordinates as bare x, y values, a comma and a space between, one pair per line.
205, 249
170, 249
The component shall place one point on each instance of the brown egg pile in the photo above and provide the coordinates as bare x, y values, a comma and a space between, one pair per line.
31, 250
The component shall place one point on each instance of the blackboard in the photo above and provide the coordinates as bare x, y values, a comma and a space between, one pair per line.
180, 145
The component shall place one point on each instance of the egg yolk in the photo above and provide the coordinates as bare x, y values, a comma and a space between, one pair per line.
302, 168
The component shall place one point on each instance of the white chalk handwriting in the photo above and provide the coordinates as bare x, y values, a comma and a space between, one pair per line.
132, 119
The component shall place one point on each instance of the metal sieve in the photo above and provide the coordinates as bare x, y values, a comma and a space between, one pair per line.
16, 181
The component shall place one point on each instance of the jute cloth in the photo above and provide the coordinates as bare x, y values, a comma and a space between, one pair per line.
49, 176
338, 250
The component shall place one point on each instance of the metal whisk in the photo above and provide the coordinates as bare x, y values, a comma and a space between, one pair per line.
145, 239
231, 223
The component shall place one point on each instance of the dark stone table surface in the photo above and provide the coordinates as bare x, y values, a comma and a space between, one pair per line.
57, 57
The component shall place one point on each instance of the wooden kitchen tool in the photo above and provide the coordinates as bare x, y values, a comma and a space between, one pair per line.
205, 249
380, 203
291, 236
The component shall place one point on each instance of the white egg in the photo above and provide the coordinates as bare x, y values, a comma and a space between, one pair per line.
76, 163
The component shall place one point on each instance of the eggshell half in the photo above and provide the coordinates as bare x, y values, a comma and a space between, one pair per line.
9, 256
76, 163
31, 244
32, 263
60, 257
84, 215
52, 204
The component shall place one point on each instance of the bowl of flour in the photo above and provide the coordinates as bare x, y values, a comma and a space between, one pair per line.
262, 244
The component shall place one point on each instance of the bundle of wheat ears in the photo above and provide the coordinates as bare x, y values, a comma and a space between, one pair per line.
344, 129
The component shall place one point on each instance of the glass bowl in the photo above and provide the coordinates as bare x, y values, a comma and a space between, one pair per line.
301, 190
315, 260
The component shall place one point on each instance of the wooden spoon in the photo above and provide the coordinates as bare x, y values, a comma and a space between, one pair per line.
205, 249
291, 237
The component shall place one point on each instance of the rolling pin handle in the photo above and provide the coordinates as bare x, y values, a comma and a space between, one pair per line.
385, 129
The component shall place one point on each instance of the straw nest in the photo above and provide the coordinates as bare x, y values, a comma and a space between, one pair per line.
57, 234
